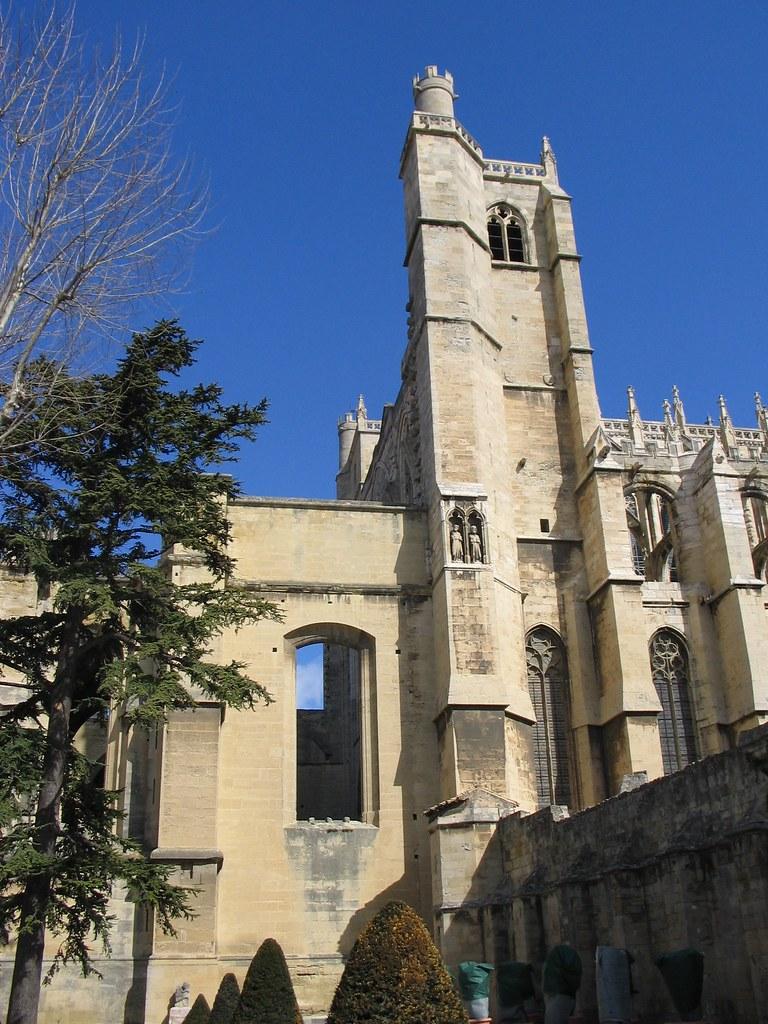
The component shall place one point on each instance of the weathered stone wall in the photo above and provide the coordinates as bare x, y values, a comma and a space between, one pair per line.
681, 861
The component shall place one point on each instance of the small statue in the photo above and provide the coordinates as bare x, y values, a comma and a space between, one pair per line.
457, 544
181, 995
475, 545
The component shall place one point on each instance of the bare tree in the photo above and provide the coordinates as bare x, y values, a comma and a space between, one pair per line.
93, 205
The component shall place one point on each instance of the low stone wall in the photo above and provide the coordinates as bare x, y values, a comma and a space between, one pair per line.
681, 861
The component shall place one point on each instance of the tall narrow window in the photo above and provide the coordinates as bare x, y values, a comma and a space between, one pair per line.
505, 235
548, 687
756, 516
669, 665
652, 535
328, 732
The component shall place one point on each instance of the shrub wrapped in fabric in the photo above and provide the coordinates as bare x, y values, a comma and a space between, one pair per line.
394, 973
267, 996
225, 1003
199, 1011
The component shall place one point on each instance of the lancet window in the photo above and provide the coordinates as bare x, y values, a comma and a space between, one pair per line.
467, 541
548, 687
652, 535
756, 516
506, 235
669, 667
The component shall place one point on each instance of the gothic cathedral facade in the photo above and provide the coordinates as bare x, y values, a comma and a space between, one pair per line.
511, 597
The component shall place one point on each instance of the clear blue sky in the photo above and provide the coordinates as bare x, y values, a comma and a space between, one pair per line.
297, 112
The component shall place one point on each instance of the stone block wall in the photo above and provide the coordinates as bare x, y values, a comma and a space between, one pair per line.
681, 861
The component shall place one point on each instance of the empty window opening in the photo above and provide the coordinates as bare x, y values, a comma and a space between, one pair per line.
328, 732
669, 665
544, 525
652, 535
548, 687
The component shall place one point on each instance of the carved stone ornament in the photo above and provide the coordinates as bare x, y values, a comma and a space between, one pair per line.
466, 533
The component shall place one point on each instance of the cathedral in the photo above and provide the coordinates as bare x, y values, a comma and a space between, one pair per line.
516, 608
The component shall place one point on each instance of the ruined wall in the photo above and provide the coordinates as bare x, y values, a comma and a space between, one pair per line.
681, 861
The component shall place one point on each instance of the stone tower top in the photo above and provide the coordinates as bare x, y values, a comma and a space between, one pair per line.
433, 92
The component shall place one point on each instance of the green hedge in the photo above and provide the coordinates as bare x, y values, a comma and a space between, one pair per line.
199, 1012
225, 1003
394, 975
267, 996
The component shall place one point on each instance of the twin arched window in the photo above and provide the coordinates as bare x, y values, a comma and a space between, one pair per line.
669, 667
548, 687
505, 235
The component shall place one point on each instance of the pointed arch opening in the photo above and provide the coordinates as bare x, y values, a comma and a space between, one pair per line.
548, 686
506, 234
671, 678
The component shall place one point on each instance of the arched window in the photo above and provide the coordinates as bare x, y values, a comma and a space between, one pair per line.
756, 517
669, 666
336, 762
505, 235
652, 535
548, 687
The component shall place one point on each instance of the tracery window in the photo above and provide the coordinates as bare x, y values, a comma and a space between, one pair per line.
548, 687
756, 516
652, 535
669, 667
505, 235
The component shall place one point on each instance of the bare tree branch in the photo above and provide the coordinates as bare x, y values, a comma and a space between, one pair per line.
93, 206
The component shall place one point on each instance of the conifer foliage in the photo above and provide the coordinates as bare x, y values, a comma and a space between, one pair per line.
268, 996
199, 1011
225, 1003
394, 974
89, 517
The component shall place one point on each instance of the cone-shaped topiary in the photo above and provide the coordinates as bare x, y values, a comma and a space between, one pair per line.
225, 1003
199, 1011
267, 996
394, 974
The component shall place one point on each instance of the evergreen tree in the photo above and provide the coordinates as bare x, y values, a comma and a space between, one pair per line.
199, 1011
225, 1003
394, 973
268, 996
133, 471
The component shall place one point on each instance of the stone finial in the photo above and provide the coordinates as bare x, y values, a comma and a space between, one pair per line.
548, 158
634, 420
433, 93
727, 433
362, 412
670, 427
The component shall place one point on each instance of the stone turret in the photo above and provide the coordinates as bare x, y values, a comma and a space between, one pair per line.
433, 93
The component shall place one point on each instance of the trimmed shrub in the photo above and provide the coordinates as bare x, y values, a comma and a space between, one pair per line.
394, 974
267, 996
225, 1003
199, 1011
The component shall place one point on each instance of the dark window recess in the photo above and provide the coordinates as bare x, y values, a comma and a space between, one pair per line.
515, 242
328, 733
544, 525
669, 665
495, 240
548, 687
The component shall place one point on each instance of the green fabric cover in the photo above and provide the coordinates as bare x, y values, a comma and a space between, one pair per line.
562, 971
474, 979
683, 972
514, 981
